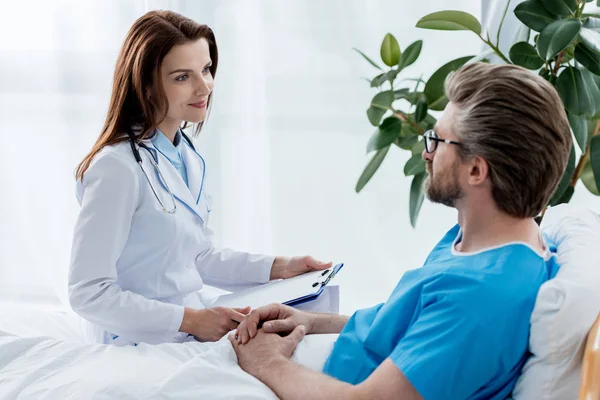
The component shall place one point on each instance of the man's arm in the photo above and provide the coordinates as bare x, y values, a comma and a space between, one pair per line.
327, 323
291, 381
277, 318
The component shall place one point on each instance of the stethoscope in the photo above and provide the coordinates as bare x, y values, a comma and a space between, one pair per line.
154, 161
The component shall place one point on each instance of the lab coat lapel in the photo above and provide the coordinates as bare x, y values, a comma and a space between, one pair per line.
171, 179
196, 170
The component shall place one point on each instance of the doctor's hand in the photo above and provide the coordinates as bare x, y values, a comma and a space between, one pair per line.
274, 318
288, 267
211, 324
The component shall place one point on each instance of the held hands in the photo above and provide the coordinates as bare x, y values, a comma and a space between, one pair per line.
259, 350
288, 267
274, 318
211, 324
266, 349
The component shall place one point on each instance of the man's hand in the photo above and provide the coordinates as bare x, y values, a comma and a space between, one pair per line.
260, 353
211, 324
288, 267
275, 318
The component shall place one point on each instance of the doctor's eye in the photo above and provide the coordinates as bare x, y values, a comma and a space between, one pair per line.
206, 70
182, 78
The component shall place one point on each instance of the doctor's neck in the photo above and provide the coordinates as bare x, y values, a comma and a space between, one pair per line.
169, 127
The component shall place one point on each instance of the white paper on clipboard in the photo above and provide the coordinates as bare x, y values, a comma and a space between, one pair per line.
292, 291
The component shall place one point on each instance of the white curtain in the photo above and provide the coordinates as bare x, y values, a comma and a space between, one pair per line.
285, 142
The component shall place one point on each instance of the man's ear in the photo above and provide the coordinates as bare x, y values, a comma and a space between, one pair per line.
478, 171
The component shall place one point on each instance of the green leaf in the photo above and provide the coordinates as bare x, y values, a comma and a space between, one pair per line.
591, 38
414, 166
390, 50
590, 33
416, 197
421, 110
401, 93
580, 129
391, 75
383, 99
592, 23
568, 55
560, 7
410, 55
591, 82
367, 58
418, 148
557, 36
374, 114
388, 131
371, 168
525, 55
407, 142
412, 97
379, 80
588, 179
574, 92
450, 21
534, 15
595, 158
428, 122
434, 89
565, 180
587, 58
566, 196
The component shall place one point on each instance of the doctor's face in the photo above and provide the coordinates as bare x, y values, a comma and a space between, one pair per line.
187, 81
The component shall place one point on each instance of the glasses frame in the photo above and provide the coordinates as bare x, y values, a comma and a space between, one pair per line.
431, 135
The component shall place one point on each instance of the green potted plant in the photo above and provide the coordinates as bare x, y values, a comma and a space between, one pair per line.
563, 46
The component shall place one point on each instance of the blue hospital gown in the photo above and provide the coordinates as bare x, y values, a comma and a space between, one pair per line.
457, 328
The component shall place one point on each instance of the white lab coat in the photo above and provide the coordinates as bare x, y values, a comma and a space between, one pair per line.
134, 267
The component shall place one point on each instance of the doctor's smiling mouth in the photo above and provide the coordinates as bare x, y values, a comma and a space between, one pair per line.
200, 105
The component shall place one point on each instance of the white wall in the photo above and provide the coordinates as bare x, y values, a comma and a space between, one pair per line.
285, 143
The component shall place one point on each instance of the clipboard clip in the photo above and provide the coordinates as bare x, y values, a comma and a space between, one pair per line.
330, 273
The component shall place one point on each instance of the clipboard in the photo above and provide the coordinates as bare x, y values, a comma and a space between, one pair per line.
291, 291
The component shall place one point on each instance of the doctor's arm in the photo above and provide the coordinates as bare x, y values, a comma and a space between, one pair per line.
109, 199
266, 357
223, 267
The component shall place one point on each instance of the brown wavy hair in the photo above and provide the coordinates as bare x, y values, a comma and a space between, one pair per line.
137, 72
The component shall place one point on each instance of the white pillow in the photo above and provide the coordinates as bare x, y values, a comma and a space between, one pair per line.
565, 309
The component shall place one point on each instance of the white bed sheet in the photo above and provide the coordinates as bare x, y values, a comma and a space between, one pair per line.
43, 356
34, 320
47, 368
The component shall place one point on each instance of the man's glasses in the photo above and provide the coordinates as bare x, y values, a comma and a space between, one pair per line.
431, 141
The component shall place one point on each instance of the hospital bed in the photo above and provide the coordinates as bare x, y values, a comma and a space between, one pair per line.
41, 353
46, 359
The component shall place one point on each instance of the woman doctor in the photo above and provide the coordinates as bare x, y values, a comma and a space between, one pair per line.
142, 249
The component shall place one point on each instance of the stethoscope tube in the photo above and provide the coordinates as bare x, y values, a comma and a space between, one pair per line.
154, 161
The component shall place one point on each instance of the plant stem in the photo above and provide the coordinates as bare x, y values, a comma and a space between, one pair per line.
403, 117
496, 50
583, 160
558, 61
502, 22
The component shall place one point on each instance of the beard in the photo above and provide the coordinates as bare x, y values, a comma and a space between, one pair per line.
443, 187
